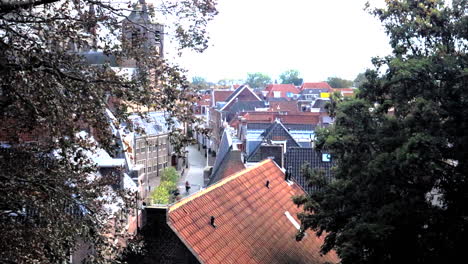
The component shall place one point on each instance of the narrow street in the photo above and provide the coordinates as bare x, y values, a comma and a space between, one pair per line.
194, 174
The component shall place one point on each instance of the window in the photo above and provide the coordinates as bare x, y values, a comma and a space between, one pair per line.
326, 157
276, 94
289, 94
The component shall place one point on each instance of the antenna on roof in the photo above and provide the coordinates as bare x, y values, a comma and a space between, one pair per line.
212, 221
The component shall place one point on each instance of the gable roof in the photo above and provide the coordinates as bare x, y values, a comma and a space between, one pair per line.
236, 93
254, 224
316, 85
220, 96
282, 88
276, 132
245, 106
298, 157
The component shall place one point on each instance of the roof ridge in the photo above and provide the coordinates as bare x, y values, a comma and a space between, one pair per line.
216, 185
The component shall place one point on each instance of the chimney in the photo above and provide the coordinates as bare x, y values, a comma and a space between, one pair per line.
267, 184
212, 221
287, 175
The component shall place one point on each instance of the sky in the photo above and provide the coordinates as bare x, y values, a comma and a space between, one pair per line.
320, 38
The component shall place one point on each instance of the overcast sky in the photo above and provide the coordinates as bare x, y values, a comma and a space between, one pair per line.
320, 38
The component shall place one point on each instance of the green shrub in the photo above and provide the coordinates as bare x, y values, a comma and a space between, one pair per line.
162, 194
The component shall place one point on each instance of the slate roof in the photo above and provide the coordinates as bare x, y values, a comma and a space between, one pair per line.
255, 224
276, 132
224, 147
258, 126
297, 157
230, 164
319, 103
139, 13
244, 106
307, 127
316, 85
154, 123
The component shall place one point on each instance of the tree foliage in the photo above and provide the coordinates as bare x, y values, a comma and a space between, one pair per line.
401, 186
336, 82
257, 80
163, 193
49, 198
291, 77
359, 80
199, 83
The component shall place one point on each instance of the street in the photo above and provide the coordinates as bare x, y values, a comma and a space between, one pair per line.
194, 174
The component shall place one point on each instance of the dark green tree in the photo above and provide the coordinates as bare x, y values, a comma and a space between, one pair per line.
359, 80
50, 195
336, 82
257, 80
400, 185
291, 77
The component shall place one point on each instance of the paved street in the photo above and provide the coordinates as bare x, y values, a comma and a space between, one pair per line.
194, 174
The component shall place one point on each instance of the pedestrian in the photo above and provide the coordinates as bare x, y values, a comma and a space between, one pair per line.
187, 186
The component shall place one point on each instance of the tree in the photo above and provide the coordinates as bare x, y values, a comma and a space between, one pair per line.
50, 196
257, 80
199, 83
291, 77
360, 80
336, 82
400, 188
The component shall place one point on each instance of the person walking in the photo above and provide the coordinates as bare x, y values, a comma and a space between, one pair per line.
187, 186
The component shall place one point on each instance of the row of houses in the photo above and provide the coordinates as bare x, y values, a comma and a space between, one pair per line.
277, 122
259, 142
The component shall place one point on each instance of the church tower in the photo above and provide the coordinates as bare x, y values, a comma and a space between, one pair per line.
139, 31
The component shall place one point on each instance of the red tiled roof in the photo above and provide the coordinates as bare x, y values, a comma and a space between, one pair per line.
283, 88
309, 118
251, 221
293, 118
259, 117
220, 95
205, 100
283, 106
316, 85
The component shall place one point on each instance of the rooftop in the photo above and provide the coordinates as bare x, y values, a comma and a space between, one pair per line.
252, 222
315, 85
